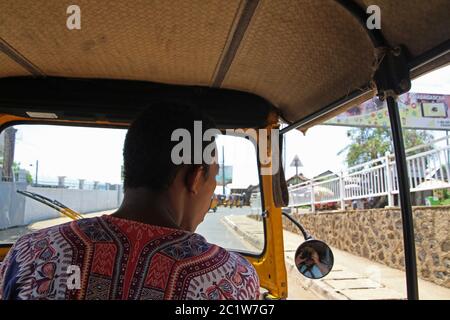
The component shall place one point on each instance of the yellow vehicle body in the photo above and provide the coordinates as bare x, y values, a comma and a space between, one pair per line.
4, 249
214, 203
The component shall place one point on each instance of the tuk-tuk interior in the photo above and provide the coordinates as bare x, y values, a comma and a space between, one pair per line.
247, 64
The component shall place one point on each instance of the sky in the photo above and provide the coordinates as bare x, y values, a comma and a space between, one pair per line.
95, 154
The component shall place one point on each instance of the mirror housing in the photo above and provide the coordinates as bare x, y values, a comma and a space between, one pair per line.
314, 259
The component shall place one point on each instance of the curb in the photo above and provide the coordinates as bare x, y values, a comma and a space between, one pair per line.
316, 286
252, 240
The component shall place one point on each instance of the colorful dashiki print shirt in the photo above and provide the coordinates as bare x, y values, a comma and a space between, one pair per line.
122, 259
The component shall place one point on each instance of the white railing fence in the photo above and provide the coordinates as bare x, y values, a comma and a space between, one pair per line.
427, 170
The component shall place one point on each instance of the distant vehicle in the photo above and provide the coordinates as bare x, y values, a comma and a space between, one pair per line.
235, 200
214, 203
327, 206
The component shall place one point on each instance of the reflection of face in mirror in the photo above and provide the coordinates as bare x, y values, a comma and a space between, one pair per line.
314, 259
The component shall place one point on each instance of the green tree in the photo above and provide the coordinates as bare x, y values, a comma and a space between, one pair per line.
29, 178
16, 168
371, 143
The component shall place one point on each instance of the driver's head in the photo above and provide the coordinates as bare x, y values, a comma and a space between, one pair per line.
150, 163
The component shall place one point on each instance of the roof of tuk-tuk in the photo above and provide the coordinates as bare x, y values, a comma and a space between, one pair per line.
237, 58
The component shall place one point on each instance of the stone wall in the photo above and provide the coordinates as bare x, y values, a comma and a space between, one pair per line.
376, 234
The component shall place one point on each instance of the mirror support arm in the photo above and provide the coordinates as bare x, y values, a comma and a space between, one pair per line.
305, 233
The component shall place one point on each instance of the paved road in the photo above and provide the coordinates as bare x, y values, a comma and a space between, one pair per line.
217, 232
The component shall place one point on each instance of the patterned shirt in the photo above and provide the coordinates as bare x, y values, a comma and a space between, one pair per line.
112, 258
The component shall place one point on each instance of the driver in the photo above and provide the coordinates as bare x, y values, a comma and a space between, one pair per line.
148, 248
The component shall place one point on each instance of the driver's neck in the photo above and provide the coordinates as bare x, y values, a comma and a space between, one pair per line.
146, 206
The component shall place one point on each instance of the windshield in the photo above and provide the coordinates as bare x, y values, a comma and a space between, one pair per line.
82, 169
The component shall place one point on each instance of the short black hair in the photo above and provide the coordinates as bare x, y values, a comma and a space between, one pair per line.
148, 146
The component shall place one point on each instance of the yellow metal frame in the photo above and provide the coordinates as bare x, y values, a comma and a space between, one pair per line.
271, 265
71, 214
4, 251
6, 118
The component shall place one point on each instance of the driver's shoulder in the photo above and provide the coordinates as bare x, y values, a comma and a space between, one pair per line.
222, 254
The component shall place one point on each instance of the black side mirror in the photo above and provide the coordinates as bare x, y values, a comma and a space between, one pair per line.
314, 259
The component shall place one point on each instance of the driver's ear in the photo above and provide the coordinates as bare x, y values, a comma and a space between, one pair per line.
194, 179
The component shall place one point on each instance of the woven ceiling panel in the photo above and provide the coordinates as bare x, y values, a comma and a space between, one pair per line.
163, 41
9, 68
301, 55
285, 59
419, 24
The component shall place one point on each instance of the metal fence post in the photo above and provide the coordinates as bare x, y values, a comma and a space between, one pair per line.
61, 181
81, 184
388, 177
313, 207
342, 190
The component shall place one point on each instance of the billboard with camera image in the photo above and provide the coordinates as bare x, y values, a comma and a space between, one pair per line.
417, 111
